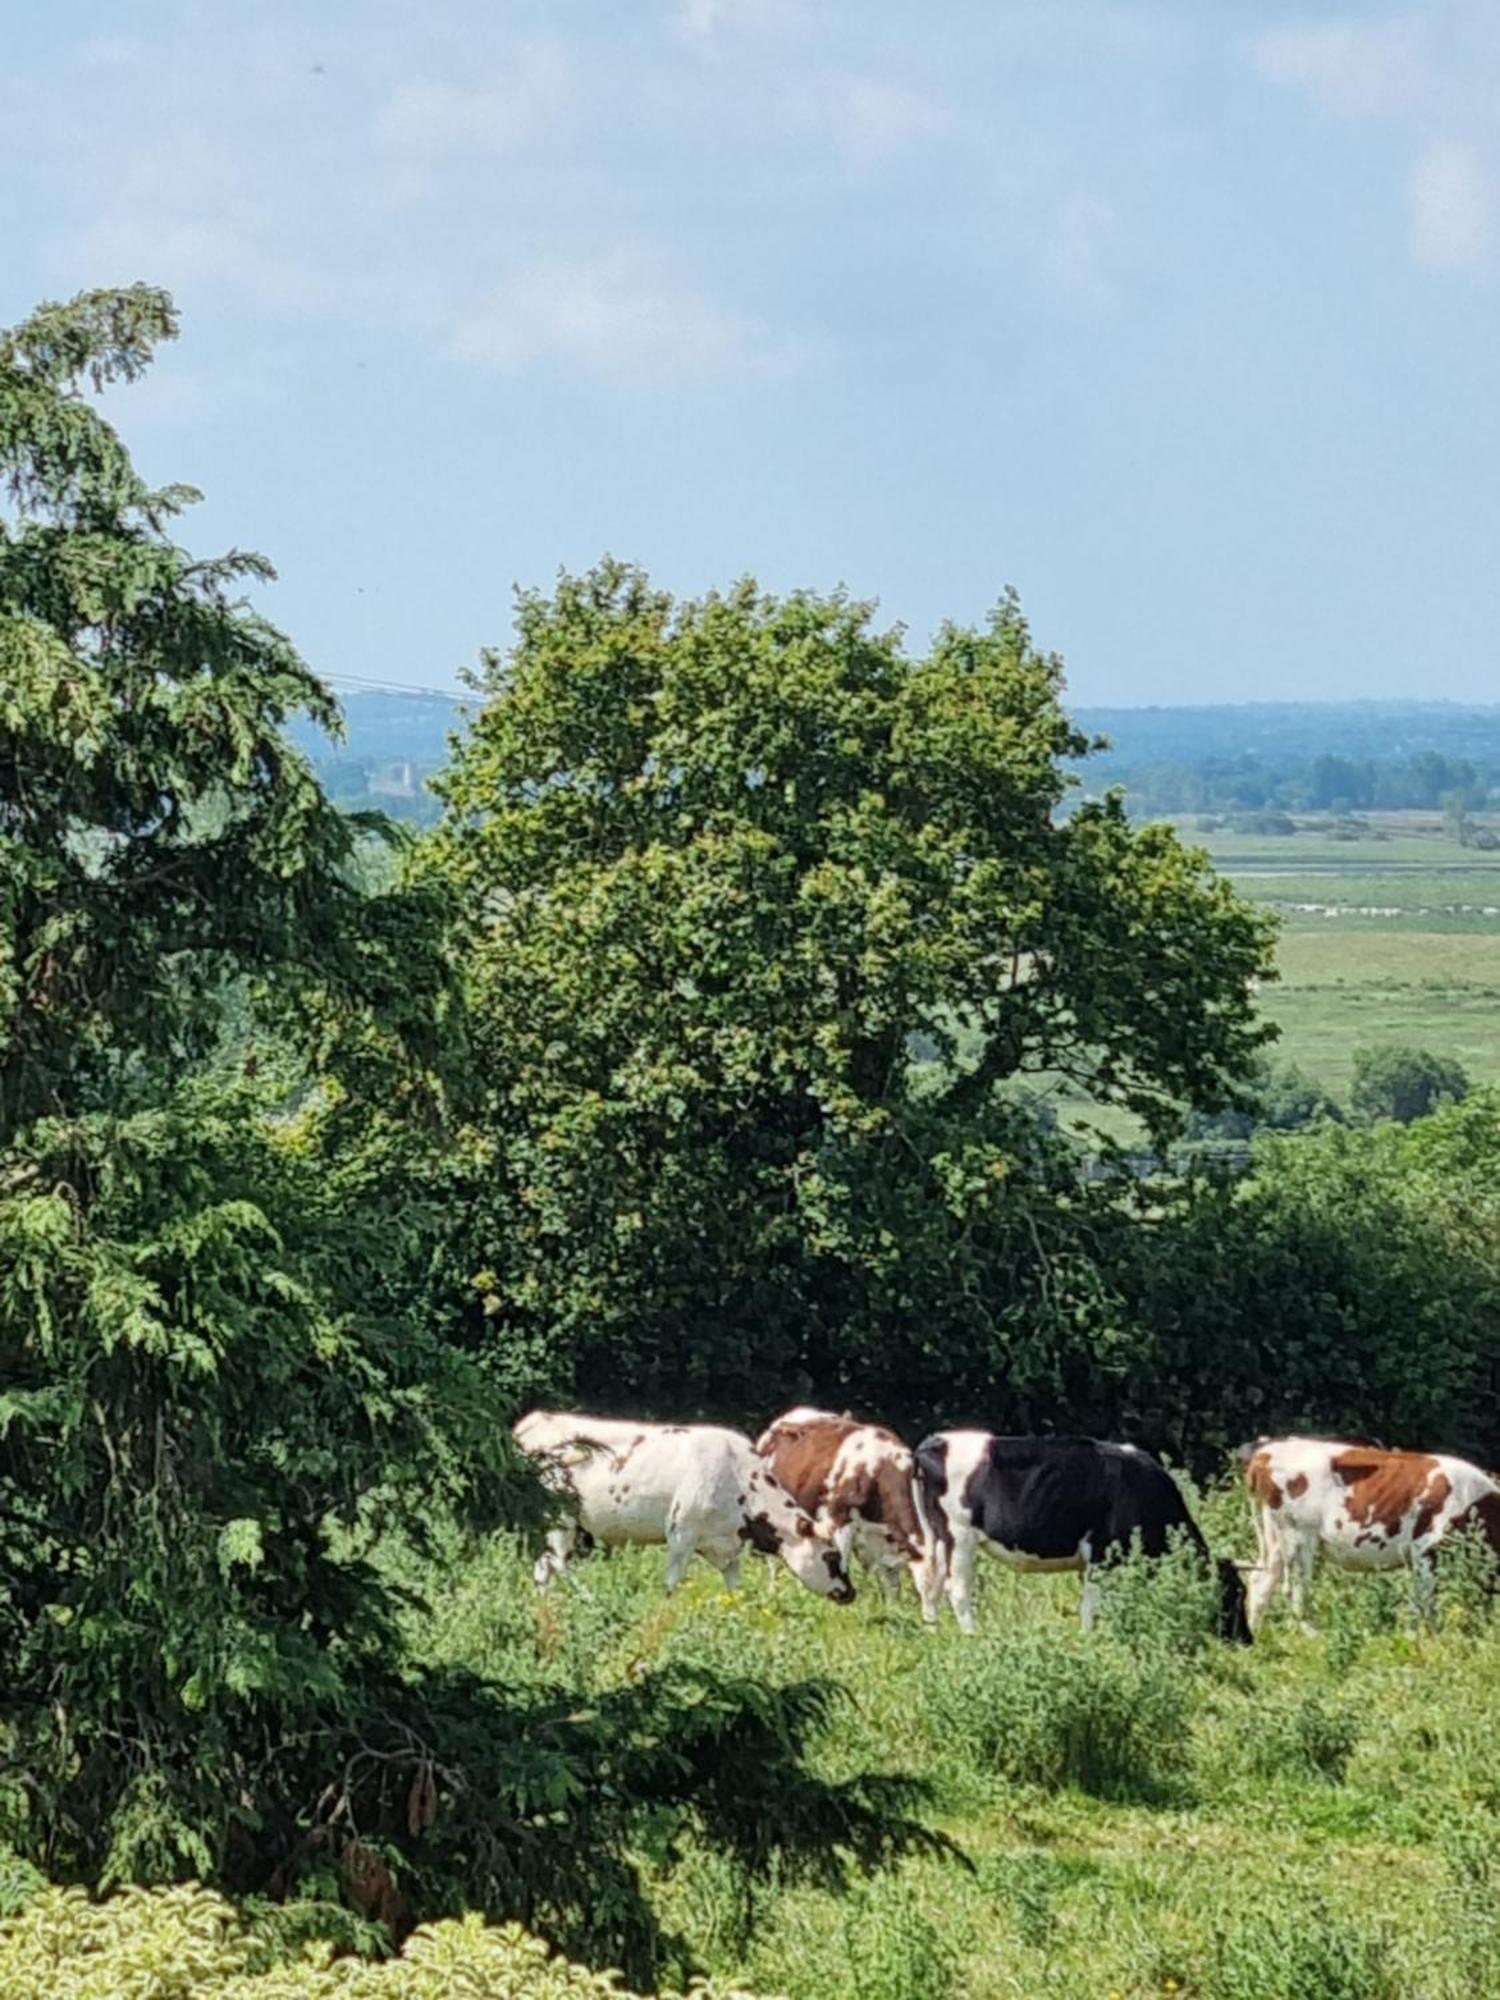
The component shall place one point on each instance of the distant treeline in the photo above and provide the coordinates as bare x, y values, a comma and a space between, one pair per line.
1326, 783
1298, 757
1259, 757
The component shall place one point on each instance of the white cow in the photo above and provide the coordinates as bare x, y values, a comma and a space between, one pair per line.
696, 1488
1367, 1507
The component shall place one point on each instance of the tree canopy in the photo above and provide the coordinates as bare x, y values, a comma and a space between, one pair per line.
763, 921
1404, 1083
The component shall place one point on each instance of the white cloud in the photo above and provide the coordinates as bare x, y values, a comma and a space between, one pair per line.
622, 318
112, 52
510, 111
1450, 198
1434, 77
173, 396
185, 252
1348, 69
706, 24
871, 120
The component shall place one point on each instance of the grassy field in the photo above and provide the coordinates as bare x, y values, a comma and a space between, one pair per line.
1394, 937
1141, 1813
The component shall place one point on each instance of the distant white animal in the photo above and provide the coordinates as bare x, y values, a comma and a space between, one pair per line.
694, 1488
1364, 1506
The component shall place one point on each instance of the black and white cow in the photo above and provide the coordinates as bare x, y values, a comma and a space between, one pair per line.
1051, 1504
695, 1488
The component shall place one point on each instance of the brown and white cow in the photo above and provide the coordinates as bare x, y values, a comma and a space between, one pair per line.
695, 1488
1365, 1506
857, 1482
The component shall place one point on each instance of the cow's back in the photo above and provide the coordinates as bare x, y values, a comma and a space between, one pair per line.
547, 1431
1367, 1505
1052, 1498
800, 1448
690, 1474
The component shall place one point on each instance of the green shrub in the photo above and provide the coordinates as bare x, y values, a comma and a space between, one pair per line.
892, 1948
183, 1943
1168, 1603
1310, 1735
1468, 1572
1058, 1709
1297, 1951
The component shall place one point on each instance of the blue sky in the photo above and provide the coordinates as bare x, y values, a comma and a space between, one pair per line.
1180, 317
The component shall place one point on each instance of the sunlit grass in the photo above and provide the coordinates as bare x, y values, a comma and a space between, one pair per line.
1135, 1810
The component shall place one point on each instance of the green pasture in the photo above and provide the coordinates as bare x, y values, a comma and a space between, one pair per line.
1402, 943
1143, 1812
1341, 990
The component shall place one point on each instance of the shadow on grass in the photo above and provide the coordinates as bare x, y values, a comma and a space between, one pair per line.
549, 1808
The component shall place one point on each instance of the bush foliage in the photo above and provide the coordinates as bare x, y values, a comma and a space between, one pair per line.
189, 1944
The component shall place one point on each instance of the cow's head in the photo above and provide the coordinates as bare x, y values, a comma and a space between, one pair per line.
1234, 1621
814, 1563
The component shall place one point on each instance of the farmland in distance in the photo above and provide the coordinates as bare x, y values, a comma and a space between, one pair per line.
1389, 934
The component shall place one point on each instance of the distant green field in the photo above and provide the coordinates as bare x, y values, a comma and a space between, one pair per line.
1393, 939
1383, 939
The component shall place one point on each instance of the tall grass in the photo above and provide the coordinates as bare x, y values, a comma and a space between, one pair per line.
1144, 1811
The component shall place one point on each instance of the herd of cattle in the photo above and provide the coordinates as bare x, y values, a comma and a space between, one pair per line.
818, 1490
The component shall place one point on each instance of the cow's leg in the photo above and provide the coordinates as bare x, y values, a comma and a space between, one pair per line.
729, 1568
927, 1585
682, 1546
1269, 1569
1088, 1604
1263, 1587
961, 1577
1299, 1577
551, 1563
929, 1573
890, 1579
1423, 1585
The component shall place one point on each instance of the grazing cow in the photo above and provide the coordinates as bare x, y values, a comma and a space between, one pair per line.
856, 1482
1369, 1508
697, 1489
1051, 1504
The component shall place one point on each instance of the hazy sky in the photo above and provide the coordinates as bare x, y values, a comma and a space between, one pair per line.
1181, 317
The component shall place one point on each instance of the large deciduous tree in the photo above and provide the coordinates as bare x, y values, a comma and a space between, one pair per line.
765, 922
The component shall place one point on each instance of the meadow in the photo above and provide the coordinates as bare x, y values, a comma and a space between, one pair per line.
1145, 1812
1389, 937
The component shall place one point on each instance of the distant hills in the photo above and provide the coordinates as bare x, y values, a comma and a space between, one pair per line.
1279, 730
1322, 756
